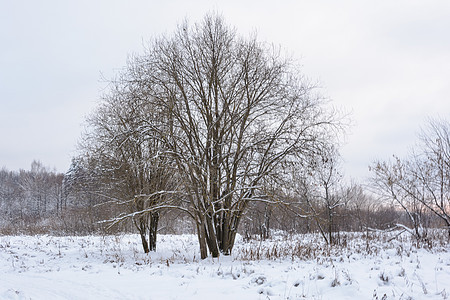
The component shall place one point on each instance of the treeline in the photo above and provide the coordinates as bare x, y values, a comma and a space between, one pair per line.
31, 194
361, 212
44, 201
41, 200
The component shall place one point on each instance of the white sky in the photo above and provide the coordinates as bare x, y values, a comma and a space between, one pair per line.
388, 62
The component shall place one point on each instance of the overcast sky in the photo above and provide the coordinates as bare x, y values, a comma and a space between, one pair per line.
387, 62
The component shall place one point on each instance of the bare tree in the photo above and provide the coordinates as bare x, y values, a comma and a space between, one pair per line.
391, 181
421, 181
237, 111
431, 170
362, 207
316, 186
222, 114
328, 178
126, 158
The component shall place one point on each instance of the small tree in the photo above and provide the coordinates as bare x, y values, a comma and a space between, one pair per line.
328, 178
430, 168
421, 181
315, 186
391, 181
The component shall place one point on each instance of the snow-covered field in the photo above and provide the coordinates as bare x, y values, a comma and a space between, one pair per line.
295, 267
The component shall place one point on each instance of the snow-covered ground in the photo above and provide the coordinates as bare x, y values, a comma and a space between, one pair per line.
295, 267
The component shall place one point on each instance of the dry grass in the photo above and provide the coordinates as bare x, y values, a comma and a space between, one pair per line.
312, 246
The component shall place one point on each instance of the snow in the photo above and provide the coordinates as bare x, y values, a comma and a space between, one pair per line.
285, 267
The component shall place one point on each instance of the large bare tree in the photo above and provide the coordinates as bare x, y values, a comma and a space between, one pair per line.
223, 113
237, 111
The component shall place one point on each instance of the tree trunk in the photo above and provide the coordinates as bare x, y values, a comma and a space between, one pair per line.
266, 226
228, 236
141, 225
234, 223
226, 249
144, 240
202, 240
152, 230
330, 226
211, 237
